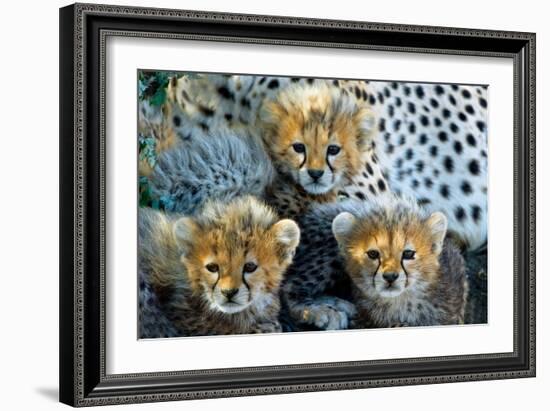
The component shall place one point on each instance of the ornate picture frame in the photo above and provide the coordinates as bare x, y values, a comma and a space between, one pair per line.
84, 29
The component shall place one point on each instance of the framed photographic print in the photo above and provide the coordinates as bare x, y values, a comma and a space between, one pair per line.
261, 204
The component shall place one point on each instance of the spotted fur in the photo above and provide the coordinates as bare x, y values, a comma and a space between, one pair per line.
429, 141
218, 272
427, 290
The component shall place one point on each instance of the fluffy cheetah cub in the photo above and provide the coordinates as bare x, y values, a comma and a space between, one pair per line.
393, 259
316, 135
402, 271
218, 272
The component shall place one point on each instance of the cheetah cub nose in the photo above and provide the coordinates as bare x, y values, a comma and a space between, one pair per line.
315, 174
230, 293
390, 277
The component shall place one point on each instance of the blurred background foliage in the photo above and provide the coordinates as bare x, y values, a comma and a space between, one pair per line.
152, 90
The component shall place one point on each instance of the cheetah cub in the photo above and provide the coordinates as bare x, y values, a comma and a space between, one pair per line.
316, 135
219, 271
398, 266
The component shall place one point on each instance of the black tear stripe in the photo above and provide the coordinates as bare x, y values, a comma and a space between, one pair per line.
329, 165
406, 273
376, 272
305, 159
245, 283
216, 283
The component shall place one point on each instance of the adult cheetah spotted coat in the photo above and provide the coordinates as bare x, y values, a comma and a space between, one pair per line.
430, 140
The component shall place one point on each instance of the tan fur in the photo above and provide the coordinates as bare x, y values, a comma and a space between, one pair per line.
227, 236
428, 288
317, 116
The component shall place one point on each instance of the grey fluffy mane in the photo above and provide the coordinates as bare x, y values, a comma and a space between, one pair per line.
220, 165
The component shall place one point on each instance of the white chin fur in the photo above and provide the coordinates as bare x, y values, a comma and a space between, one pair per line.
230, 308
391, 293
314, 188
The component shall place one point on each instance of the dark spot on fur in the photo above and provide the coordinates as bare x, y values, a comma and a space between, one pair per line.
423, 139
466, 187
433, 151
381, 185
442, 136
480, 125
177, 121
457, 147
372, 189
444, 191
460, 214
360, 195
439, 90
208, 112
482, 102
225, 93
470, 139
419, 91
448, 164
454, 127
473, 166
476, 213
273, 84
466, 94
424, 120
382, 125
369, 169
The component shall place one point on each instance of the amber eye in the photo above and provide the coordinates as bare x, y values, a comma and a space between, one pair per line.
299, 147
408, 254
333, 150
373, 254
249, 267
213, 268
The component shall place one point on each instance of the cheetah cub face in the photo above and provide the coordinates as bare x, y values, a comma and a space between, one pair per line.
316, 135
236, 254
391, 252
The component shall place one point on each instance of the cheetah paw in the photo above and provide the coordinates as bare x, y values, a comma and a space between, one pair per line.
329, 313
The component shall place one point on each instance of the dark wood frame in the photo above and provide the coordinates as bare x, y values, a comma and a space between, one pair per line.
83, 30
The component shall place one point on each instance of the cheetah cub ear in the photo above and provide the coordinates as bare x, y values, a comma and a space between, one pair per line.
184, 233
287, 234
437, 223
342, 226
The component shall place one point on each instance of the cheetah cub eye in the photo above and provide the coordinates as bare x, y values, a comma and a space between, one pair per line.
408, 254
373, 254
